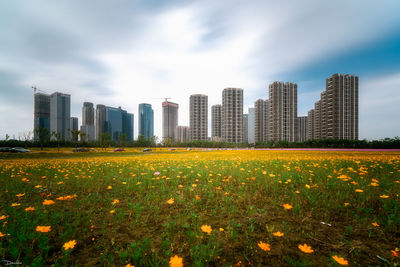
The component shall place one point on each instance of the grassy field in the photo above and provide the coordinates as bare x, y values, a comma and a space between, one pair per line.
200, 208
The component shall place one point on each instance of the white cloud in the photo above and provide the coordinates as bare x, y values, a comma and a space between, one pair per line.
379, 108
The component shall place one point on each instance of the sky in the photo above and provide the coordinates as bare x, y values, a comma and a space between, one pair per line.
125, 52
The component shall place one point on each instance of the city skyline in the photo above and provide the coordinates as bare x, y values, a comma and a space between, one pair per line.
178, 48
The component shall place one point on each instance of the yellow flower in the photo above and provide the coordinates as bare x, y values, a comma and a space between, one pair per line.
264, 246
384, 196
112, 211
69, 245
346, 204
128, 265
171, 201
15, 204
109, 187
115, 201
221, 229
206, 229
287, 206
340, 260
278, 234
29, 209
43, 229
48, 202
305, 248
176, 261
359, 190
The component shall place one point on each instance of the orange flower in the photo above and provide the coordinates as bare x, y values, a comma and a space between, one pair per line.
206, 228
48, 202
69, 245
278, 234
384, 196
128, 265
197, 197
359, 190
29, 209
20, 195
67, 197
112, 211
346, 204
1, 234
305, 248
287, 206
43, 229
115, 201
15, 204
2, 217
375, 224
340, 260
395, 252
264, 246
176, 261
171, 201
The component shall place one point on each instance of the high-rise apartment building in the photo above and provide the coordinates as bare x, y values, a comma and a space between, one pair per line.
100, 121
198, 117
251, 126
341, 110
317, 120
182, 134
41, 120
301, 129
87, 114
73, 125
261, 120
170, 120
216, 122
336, 113
146, 121
88, 118
282, 123
60, 114
232, 115
310, 124
245, 129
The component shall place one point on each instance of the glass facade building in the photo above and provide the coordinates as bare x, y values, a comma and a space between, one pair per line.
118, 121
146, 121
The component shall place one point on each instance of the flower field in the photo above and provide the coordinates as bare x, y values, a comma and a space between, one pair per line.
199, 208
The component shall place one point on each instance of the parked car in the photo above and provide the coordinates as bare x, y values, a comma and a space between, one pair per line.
147, 150
119, 150
81, 149
14, 149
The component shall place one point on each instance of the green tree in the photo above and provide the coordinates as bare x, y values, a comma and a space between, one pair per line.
57, 137
42, 135
104, 139
122, 139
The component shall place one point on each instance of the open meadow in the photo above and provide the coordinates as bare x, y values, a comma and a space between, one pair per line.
200, 208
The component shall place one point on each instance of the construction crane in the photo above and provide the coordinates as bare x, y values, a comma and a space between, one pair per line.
37, 90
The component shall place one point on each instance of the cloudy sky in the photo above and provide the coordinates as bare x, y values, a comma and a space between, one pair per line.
125, 52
